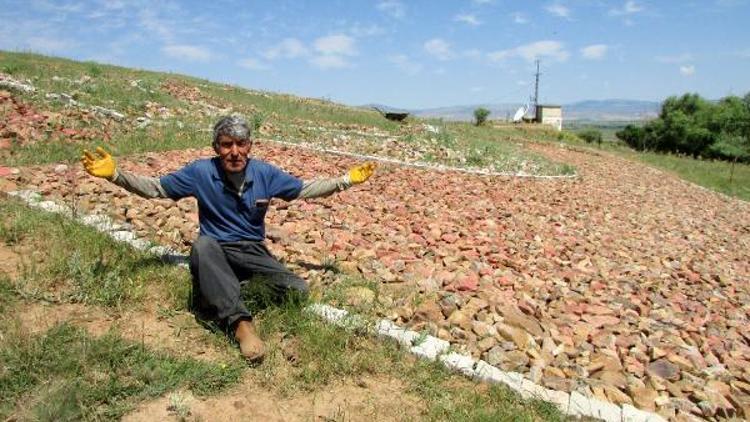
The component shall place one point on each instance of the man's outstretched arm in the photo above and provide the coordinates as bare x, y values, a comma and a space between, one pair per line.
104, 166
324, 187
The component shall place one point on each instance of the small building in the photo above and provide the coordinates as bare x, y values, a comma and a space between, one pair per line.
549, 115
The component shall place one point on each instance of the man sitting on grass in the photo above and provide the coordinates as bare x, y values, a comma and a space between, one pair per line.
233, 193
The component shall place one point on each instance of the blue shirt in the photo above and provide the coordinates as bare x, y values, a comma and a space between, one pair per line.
223, 213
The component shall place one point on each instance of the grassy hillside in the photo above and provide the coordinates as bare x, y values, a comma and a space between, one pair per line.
163, 111
90, 329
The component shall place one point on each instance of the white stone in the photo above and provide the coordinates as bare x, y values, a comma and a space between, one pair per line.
329, 313
53, 207
460, 363
631, 414
140, 244
530, 390
430, 348
123, 236
28, 196
578, 405
403, 336
606, 411
94, 220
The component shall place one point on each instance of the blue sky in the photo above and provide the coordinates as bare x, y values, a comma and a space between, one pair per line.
413, 54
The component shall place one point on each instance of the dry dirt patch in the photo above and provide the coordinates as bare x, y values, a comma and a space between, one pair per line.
9, 261
178, 334
370, 398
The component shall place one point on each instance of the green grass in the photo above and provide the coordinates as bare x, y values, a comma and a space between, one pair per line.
711, 174
289, 118
82, 265
64, 374
325, 353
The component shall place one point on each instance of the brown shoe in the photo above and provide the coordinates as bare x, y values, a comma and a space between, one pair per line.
251, 345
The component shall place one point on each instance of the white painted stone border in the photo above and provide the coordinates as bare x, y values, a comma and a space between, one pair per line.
423, 346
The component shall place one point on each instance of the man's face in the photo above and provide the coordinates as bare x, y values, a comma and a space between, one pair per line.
233, 153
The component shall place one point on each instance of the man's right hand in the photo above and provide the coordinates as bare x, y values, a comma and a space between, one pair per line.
103, 166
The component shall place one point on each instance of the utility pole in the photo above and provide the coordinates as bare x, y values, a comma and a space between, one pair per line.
536, 87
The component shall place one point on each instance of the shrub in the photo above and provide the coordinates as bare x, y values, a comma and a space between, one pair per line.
591, 136
258, 120
93, 69
691, 125
480, 115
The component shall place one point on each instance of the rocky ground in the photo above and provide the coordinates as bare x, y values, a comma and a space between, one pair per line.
627, 284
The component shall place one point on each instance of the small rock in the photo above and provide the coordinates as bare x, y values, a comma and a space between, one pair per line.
514, 361
359, 296
486, 343
428, 311
495, 356
664, 369
616, 395
513, 316
559, 384
645, 398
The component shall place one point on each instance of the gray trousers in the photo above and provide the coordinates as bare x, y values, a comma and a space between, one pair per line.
219, 270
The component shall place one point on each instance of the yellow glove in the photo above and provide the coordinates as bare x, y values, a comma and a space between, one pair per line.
104, 166
361, 172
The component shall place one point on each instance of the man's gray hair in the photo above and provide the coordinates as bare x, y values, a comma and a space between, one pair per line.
234, 126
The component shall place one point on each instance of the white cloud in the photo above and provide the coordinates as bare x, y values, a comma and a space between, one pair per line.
468, 19
330, 62
594, 51
745, 54
153, 24
359, 30
332, 50
532, 51
558, 9
630, 7
680, 58
252, 64
394, 8
687, 70
187, 52
553, 49
335, 45
481, 2
406, 65
438, 48
289, 48
520, 18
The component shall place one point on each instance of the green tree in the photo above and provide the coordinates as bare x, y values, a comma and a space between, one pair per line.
480, 115
591, 136
734, 147
691, 125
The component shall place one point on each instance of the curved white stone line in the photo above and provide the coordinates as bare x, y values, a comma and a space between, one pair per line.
418, 164
423, 346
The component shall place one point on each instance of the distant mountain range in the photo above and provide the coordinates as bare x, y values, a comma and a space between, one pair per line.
591, 110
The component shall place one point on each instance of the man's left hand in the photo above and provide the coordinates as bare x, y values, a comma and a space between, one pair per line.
361, 172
